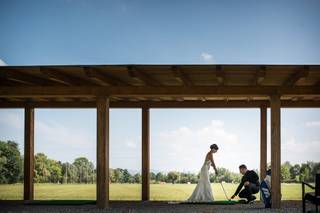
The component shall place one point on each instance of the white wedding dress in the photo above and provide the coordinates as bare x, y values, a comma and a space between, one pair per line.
203, 191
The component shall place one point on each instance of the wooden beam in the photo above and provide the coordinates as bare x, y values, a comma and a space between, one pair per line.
259, 76
28, 153
295, 77
24, 78
142, 77
220, 75
203, 98
102, 152
181, 76
8, 82
103, 77
298, 98
66, 79
275, 150
158, 104
145, 154
263, 142
147, 91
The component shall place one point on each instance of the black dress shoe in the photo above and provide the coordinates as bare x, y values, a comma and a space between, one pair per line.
251, 199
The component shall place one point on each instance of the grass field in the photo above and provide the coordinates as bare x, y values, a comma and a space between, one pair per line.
128, 191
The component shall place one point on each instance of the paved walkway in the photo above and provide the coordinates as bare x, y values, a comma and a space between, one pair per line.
137, 207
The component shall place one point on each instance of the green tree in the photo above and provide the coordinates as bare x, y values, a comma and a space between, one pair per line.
10, 162
118, 176
42, 171
73, 173
285, 171
69, 173
305, 172
184, 178
295, 172
173, 176
137, 178
315, 170
152, 176
192, 178
126, 176
55, 169
160, 177
84, 169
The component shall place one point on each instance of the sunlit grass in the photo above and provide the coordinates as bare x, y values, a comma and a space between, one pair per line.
128, 191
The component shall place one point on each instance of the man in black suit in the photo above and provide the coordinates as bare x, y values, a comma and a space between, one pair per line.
250, 181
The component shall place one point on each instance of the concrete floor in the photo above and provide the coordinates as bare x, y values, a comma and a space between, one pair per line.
135, 207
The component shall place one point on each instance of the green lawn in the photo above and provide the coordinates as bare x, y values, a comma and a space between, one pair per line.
128, 191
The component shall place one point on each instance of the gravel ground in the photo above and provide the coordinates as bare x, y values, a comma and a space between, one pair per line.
135, 207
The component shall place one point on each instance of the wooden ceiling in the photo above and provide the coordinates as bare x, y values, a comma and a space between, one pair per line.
158, 83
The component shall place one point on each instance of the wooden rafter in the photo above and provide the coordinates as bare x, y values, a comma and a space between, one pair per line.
55, 75
147, 91
203, 98
259, 76
142, 77
24, 78
179, 99
297, 98
161, 104
103, 77
8, 82
181, 76
220, 75
296, 76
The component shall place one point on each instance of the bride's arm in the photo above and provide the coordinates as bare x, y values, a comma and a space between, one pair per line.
213, 164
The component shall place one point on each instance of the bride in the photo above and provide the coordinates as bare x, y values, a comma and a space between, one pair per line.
203, 191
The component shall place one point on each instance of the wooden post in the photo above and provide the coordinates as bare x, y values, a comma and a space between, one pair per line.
275, 151
102, 152
263, 142
145, 154
28, 153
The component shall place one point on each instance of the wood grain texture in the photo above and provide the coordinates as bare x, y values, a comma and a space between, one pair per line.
28, 153
275, 150
102, 152
145, 153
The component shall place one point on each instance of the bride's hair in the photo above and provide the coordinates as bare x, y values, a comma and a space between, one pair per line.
214, 146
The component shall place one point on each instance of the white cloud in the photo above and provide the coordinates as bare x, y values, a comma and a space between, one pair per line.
58, 134
208, 58
49, 132
131, 144
184, 148
312, 124
13, 120
63, 142
300, 151
2, 63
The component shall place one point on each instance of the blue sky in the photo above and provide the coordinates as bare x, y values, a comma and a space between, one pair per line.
163, 32
140, 31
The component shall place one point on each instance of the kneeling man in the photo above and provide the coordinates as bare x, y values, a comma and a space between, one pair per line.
250, 181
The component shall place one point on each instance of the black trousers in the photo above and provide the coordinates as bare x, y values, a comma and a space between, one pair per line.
248, 191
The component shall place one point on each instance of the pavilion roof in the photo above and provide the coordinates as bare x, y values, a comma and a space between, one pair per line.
159, 84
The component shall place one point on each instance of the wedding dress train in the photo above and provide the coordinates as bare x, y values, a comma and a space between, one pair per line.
203, 191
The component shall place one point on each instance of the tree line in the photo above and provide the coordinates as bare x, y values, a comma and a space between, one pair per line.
81, 170
299, 172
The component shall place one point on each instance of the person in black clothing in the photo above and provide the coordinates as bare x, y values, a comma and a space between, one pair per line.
250, 181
